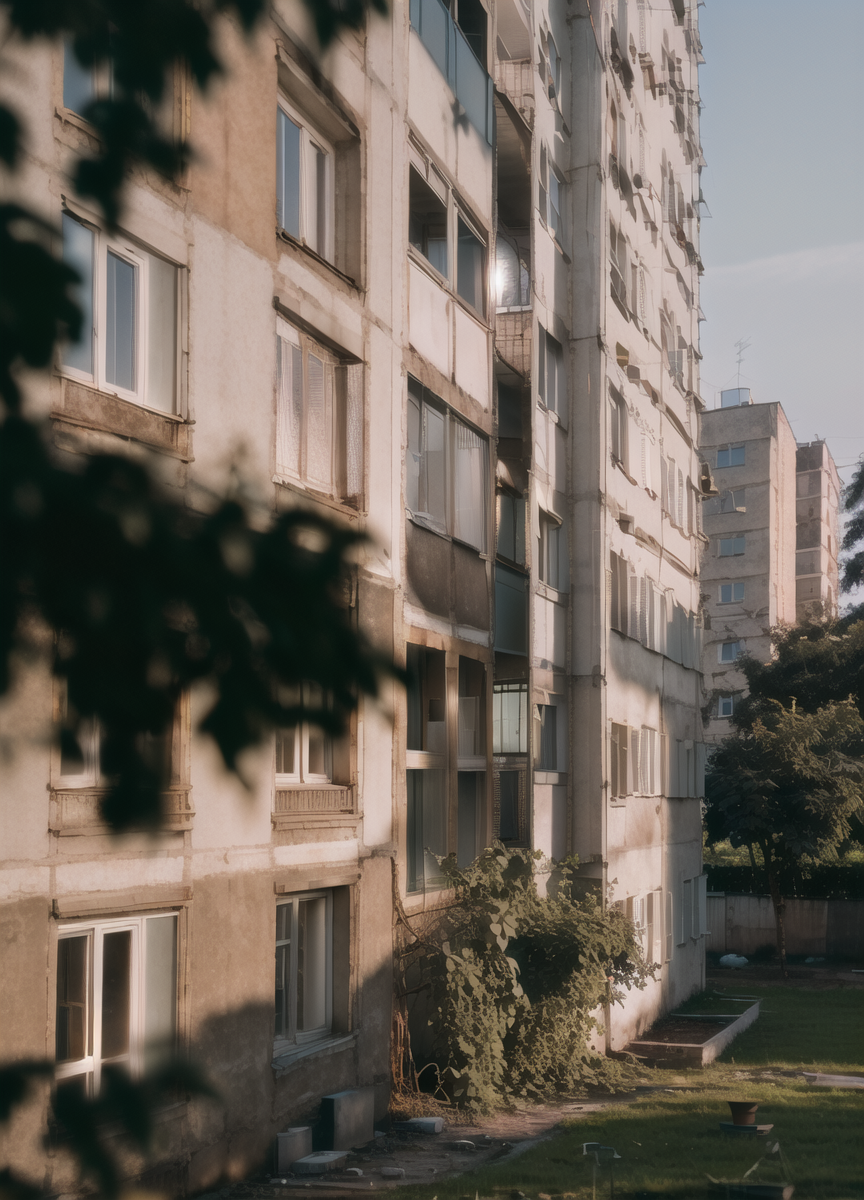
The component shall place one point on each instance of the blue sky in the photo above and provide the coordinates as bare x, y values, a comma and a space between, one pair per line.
783, 136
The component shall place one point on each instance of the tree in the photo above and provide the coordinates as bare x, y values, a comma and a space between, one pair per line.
788, 784
853, 503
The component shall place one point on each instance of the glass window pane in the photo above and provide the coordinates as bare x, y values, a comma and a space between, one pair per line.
469, 450
413, 456
434, 23
427, 222
289, 405
427, 827
319, 423
160, 989
433, 491
162, 335
78, 254
511, 611
471, 266
72, 1025
315, 230
116, 987
287, 743
122, 316
508, 815
78, 89
470, 799
282, 959
288, 174
320, 752
312, 964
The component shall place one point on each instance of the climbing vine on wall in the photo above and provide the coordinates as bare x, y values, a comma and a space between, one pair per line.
503, 984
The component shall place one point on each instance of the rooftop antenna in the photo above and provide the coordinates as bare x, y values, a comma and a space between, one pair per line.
741, 345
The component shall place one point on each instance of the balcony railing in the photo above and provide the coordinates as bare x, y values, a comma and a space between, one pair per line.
456, 61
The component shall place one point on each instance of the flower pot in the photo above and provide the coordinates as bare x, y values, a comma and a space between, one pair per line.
743, 1112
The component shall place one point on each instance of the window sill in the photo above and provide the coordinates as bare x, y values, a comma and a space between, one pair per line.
545, 776
299, 801
330, 1045
550, 593
90, 408
288, 238
302, 489
75, 811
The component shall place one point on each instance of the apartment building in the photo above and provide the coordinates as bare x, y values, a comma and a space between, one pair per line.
441, 284
771, 552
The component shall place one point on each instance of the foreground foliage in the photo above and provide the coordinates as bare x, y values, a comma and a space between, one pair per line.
509, 982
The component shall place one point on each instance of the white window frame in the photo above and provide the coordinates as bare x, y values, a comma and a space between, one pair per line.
549, 551
619, 430
309, 138
551, 196
732, 543
301, 773
726, 704
92, 1063
294, 1038
139, 258
725, 455
722, 657
551, 373
732, 598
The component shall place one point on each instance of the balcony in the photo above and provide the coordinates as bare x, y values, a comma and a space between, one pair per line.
456, 61
513, 341
77, 812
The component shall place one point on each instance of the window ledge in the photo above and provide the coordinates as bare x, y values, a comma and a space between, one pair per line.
302, 489
546, 776
90, 408
331, 1045
290, 240
326, 800
76, 812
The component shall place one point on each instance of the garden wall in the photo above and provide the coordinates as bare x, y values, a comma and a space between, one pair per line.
741, 924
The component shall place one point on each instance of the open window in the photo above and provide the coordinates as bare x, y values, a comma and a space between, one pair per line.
551, 374
727, 652
551, 553
427, 222
312, 970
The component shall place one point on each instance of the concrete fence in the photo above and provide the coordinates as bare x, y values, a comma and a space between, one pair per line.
742, 924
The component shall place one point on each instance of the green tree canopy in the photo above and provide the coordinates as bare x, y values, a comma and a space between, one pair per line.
853, 539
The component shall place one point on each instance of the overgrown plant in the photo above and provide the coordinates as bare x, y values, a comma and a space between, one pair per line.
510, 982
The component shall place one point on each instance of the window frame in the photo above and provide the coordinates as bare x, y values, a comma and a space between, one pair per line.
309, 137
724, 698
420, 396
295, 1039
91, 1065
549, 572
734, 542
733, 587
301, 776
551, 383
130, 251
731, 657
729, 455
733, 500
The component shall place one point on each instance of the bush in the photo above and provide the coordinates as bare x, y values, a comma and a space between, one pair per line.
826, 881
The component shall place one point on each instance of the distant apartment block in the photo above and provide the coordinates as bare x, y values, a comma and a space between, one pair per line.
771, 529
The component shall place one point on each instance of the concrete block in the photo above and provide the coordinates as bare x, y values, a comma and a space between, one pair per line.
320, 1162
347, 1118
292, 1144
392, 1172
421, 1125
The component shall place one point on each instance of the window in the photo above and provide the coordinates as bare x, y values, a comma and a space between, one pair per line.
551, 377
304, 184
319, 416
427, 222
734, 501
116, 997
554, 67
429, 802
447, 466
732, 546
509, 718
617, 426
129, 301
731, 456
511, 610
731, 593
511, 528
82, 85
471, 275
549, 553
512, 271
304, 969
551, 188
304, 752
620, 592
457, 44
618, 776
549, 741
727, 652
727, 703
510, 809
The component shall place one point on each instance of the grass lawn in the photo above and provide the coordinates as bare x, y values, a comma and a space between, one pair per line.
668, 1137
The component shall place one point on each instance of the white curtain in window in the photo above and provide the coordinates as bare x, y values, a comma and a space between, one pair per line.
319, 422
289, 416
469, 486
